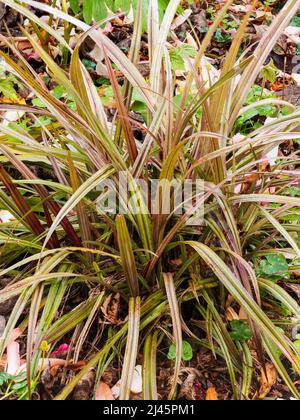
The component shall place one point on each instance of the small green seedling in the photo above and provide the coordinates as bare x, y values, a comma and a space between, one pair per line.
187, 352
240, 331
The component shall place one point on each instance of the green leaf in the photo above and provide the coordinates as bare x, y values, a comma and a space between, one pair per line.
295, 21
221, 36
294, 192
274, 347
274, 264
297, 345
59, 91
42, 122
187, 352
124, 5
240, 331
127, 255
177, 56
74, 6
257, 93
7, 89
88, 7
39, 103
4, 378
269, 72
89, 64
99, 9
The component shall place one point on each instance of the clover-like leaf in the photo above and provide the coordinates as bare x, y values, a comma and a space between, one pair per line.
187, 352
4, 378
269, 72
274, 264
240, 331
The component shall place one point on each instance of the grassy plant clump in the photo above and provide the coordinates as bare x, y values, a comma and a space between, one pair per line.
138, 285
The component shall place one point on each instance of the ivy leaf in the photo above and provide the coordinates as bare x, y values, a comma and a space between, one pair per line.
98, 9
89, 64
4, 378
274, 264
269, 72
177, 56
294, 192
221, 36
257, 93
38, 103
7, 89
42, 122
295, 21
240, 331
187, 352
59, 91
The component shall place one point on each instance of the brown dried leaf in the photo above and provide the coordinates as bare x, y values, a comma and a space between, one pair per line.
231, 315
211, 394
243, 315
268, 380
113, 311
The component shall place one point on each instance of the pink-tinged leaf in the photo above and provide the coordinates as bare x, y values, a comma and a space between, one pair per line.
61, 349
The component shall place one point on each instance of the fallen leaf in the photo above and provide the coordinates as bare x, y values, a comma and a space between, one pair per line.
113, 310
211, 394
177, 262
231, 314
189, 386
243, 315
278, 86
238, 9
268, 380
